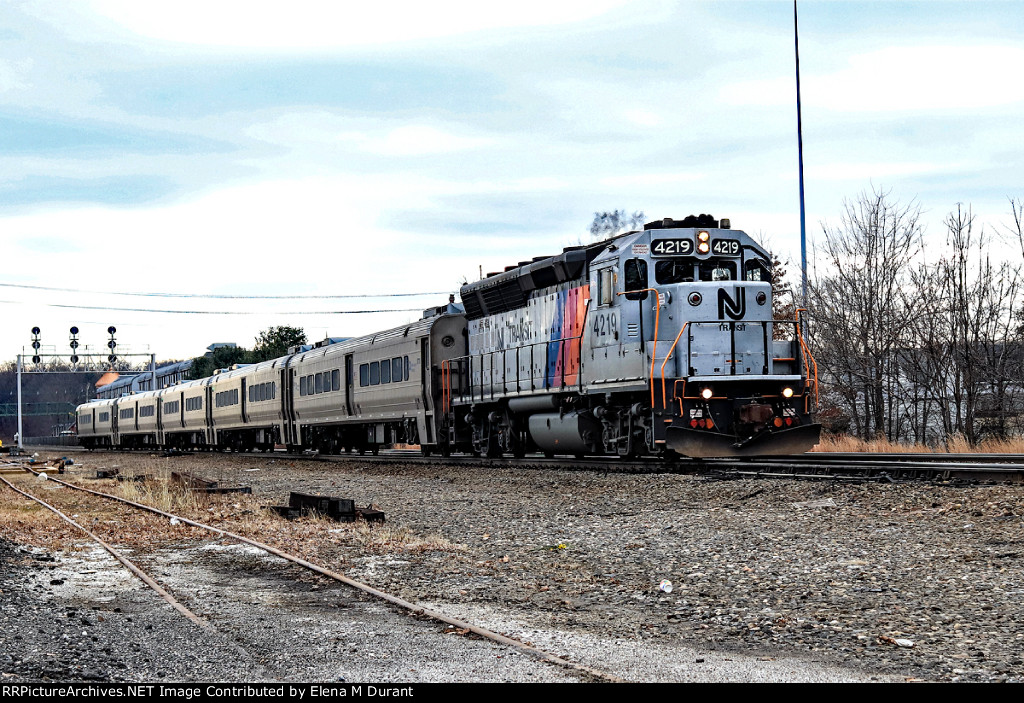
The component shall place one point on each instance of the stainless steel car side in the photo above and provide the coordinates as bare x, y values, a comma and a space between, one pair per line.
353, 395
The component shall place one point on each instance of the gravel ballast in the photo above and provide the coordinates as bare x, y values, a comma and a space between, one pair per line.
770, 580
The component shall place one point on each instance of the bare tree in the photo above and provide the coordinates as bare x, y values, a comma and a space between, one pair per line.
859, 307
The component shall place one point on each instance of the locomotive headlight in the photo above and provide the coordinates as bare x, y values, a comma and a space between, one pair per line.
695, 298
703, 236
706, 393
703, 247
787, 392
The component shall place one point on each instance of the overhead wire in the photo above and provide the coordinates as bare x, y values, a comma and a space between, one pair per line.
216, 312
224, 296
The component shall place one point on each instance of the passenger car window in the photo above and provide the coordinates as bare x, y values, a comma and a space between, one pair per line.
385, 371
364, 374
374, 373
336, 380
396, 369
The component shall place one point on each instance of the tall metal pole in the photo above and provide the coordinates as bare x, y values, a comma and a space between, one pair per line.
21, 434
800, 152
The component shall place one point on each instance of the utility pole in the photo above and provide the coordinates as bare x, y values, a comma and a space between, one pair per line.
800, 156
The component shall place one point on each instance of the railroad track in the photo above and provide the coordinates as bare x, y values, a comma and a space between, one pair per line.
998, 468
1003, 468
581, 671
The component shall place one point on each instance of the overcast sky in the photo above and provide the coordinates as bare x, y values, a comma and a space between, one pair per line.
338, 148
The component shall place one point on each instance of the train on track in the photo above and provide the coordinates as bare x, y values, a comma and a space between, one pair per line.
654, 342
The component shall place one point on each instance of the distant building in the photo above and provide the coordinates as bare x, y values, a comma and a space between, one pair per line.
219, 345
126, 384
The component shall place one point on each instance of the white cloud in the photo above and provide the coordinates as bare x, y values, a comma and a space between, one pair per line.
327, 24
651, 179
644, 118
874, 170
940, 77
14, 75
414, 140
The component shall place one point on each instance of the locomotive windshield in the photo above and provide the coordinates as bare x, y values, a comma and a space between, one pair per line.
674, 270
688, 270
757, 270
717, 270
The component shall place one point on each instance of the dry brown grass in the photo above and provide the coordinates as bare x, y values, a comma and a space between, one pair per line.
25, 521
315, 538
955, 445
247, 515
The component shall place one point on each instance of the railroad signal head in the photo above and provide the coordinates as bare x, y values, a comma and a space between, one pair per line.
74, 358
35, 330
74, 330
111, 358
35, 359
111, 330
111, 344
35, 344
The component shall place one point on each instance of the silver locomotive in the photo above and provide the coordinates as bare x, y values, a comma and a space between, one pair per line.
659, 341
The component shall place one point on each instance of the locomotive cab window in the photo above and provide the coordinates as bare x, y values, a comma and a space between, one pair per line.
717, 270
674, 271
635, 275
604, 287
757, 270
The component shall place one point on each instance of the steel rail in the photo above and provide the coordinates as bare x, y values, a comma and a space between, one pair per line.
117, 555
395, 600
962, 464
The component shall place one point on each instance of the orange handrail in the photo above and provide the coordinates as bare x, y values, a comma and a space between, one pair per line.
807, 355
664, 402
657, 319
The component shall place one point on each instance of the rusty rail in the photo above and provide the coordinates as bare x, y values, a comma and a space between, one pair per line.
395, 600
117, 555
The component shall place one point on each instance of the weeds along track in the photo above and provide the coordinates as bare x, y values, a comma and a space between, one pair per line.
139, 525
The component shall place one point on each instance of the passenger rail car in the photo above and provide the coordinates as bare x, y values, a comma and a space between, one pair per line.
353, 395
654, 342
